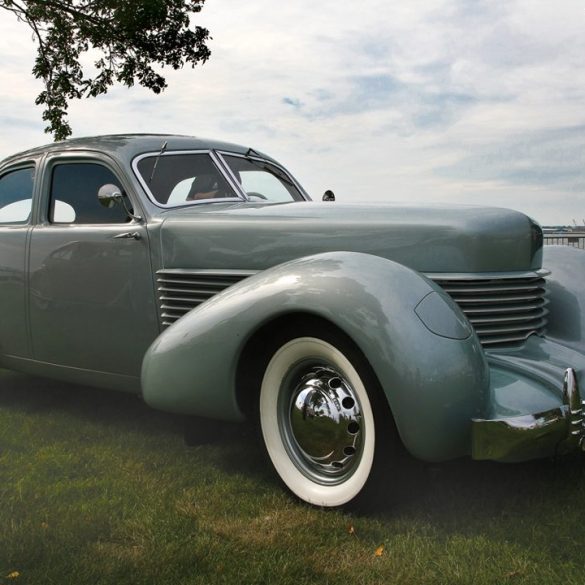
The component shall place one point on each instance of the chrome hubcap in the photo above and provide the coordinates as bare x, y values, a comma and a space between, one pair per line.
324, 427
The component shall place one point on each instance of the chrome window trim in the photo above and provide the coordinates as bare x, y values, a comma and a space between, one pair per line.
82, 157
302, 192
18, 167
229, 175
212, 154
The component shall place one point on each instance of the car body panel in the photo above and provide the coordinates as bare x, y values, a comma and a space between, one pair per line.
85, 278
566, 292
14, 338
433, 239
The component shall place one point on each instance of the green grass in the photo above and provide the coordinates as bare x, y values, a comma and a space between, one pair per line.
95, 488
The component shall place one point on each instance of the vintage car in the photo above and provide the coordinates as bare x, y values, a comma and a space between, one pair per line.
201, 275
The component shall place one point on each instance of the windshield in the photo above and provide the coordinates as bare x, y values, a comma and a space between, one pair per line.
261, 180
177, 179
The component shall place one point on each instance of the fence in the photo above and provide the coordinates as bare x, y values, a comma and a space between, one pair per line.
575, 239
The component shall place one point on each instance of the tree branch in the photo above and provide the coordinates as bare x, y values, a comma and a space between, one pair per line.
133, 37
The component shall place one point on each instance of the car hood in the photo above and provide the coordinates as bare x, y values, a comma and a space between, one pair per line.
435, 238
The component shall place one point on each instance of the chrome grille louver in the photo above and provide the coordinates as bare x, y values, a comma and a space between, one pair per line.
181, 290
502, 310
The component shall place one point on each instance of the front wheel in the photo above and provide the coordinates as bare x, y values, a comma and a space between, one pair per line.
317, 419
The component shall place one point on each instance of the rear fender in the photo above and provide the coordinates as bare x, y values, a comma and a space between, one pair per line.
435, 382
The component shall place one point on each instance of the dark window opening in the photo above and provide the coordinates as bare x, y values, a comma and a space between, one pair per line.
16, 189
74, 189
180, 178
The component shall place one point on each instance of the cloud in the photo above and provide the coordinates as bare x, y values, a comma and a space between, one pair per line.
549, 158
294, 102
441, 100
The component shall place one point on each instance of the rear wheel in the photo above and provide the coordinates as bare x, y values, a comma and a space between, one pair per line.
317, 403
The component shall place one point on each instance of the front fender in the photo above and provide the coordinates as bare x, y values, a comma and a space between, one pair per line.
566, 294
435, 382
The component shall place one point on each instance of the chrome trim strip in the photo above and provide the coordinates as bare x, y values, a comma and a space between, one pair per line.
206, 272
572, 398
493, 300
540, 273
508, 338
487, 310
488, 330
540, 313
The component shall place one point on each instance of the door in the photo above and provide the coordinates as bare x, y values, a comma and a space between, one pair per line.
16, 189
92, 302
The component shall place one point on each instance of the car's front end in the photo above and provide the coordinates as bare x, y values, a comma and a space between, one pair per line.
489, 261
535, 405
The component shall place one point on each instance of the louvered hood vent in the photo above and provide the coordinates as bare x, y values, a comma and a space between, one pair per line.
502, 310
180, 290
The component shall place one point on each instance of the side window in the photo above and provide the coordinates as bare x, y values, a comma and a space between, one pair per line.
74, 188
16, 196
262, 180
262, 183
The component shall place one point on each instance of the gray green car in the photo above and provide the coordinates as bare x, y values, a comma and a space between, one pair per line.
200, 275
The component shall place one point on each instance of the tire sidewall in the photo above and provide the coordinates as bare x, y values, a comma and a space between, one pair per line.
334, 352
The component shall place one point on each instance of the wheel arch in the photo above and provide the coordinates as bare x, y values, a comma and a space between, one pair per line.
253, 357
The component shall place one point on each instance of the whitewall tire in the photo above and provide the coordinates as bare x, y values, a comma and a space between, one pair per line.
317, 421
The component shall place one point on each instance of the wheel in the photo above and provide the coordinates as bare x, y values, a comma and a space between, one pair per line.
317, 418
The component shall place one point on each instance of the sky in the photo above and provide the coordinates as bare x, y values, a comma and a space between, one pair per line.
436, 101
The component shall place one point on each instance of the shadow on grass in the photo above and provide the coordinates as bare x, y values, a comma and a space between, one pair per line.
32, 395
466, 497
123, 412
442, 494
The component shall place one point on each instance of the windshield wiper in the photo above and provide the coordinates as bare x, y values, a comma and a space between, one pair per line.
162, 150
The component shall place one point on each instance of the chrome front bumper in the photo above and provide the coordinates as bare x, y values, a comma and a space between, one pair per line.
533, 436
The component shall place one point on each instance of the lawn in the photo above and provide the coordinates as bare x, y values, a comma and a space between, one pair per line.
95, 488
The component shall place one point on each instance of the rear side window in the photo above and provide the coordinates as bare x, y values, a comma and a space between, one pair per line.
74, 188
16, 196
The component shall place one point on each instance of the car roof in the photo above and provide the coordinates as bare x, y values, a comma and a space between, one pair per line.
126, 146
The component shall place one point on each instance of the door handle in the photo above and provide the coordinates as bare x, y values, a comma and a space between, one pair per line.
128, 236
